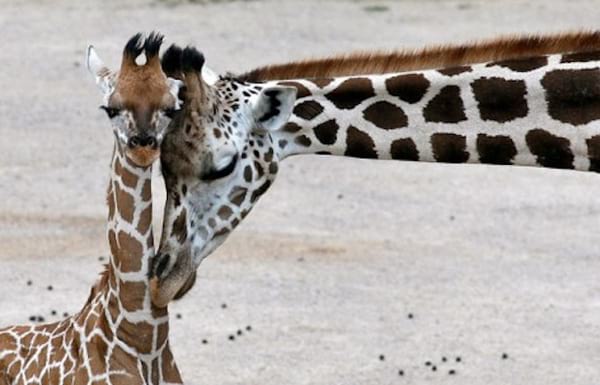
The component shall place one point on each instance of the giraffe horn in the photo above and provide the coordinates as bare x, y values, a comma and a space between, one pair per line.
133, 49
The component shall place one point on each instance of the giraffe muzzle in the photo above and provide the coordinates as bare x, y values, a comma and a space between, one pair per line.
143, 149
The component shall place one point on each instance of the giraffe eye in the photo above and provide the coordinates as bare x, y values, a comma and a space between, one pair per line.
111, 111
221, 173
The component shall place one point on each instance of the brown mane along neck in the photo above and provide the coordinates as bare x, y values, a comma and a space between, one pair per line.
440, 56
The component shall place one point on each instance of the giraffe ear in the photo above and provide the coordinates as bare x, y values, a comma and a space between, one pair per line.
273, 107
104, 77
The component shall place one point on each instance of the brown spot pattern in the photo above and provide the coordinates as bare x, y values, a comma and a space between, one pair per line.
326, 132
359, 144
125, 205
593, 145
573, 96
308, 110
550, 150
579, 57
404, 149
410, 87
385, 115
179, 230
522, 65
495, 149
130, 253
499, 99
351, 92
303, 140
449, 148
446, 107
452, 71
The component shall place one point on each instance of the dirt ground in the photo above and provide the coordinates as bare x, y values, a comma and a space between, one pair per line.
414, 262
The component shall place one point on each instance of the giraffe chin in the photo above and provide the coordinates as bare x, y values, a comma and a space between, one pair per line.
143, 157
161, 293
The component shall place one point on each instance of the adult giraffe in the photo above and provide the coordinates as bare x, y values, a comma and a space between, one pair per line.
119, 336
531, 101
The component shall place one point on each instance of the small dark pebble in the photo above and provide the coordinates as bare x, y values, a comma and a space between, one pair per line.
65, 314
411, 316
53, 312
444, 359
101, 259
231, 337
451, 217
504, 356
29, 283
32, 318
204, 342
178, 316
434, 368
239, 332
223, 306
451, 372
427, 363
381, 357
458, 359
340, 196
50, 288
248, 328
40, 319
401, 372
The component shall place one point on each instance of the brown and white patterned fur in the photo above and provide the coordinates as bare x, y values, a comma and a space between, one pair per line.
518, 109
119, 336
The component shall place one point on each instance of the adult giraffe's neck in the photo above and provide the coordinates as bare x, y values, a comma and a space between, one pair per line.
131, 241
540, 111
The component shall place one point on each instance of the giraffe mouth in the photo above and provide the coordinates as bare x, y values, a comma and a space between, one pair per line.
143, 156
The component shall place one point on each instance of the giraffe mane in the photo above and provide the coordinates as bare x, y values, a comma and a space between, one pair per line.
100, 284
439, 56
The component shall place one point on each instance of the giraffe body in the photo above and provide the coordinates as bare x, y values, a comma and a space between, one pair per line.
525, 110
119, 336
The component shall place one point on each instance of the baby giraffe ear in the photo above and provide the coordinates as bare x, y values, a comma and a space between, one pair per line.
104, 77
273, 107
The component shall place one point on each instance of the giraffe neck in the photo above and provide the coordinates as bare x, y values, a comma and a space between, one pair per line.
119, 336
538, 111
131, 241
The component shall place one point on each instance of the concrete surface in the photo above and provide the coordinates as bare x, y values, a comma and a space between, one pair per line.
488, 260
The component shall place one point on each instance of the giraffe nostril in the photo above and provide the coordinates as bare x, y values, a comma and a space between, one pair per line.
161, 264
151, 141
134, 141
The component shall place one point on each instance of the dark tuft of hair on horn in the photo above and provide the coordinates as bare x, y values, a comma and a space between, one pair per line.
134, 46
172, 61
192, 60
152, 44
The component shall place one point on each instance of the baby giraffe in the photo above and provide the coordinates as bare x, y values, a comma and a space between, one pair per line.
119, 337
530, 101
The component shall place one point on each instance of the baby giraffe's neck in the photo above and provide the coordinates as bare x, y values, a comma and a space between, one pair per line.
540, 111
118, 337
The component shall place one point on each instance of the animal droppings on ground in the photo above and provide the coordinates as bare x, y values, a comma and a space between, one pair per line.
451, 372
204, 342
401, 372
223, 306
239, 332
65, 314
444, 359
411, 316
178, 316
53, 312
434, 368
29, 283
50, 288
248, 328
231, 337
504, 356
458, 359
427, 363
101, 259
381, 357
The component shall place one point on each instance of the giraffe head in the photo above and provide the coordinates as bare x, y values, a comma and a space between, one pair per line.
217, 160
138, 99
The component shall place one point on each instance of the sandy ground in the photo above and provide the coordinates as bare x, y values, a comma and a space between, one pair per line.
487, 260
